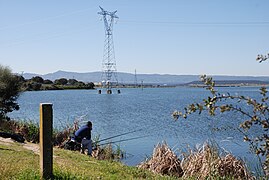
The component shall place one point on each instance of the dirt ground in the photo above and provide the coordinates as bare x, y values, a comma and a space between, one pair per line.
27, 145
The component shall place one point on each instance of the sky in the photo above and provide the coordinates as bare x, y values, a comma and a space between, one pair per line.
181, 37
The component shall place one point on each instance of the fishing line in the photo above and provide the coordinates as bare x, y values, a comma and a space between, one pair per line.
147, 129
139, 137
120, 135
251, 23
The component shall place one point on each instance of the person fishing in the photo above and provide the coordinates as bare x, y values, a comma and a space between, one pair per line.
83, 136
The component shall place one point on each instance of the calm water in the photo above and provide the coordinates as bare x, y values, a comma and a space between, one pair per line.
148, 110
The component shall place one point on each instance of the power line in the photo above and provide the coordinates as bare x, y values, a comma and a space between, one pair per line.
47, 37
252, 23
45, 19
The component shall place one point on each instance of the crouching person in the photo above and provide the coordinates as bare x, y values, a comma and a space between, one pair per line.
83, 135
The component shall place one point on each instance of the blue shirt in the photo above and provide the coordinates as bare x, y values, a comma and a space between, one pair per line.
83, 132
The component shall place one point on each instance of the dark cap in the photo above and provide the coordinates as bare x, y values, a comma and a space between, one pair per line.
89, 123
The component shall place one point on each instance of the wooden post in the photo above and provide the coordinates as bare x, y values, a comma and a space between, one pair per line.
46, 151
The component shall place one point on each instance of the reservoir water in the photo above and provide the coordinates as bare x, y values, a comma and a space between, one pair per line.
149, 111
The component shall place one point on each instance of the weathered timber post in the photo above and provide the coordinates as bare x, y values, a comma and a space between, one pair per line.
46, 151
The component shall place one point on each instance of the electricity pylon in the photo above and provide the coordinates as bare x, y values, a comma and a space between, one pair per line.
135, 80
109, 71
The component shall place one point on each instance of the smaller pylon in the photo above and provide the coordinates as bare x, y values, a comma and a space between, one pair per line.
135, 80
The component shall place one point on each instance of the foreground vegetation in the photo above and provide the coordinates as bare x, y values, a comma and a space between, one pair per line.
206, 162
19, 163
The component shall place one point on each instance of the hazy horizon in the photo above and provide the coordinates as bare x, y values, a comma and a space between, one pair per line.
145, 73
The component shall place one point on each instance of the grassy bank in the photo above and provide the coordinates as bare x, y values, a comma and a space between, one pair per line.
20, 163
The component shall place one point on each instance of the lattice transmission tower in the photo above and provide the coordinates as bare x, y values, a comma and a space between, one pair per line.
109, 71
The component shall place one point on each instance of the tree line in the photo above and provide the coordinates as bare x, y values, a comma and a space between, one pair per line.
37, 83
12, 85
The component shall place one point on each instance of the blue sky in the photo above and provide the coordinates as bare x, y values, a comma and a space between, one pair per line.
214, 37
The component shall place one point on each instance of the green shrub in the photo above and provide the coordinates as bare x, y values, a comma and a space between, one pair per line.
10, 85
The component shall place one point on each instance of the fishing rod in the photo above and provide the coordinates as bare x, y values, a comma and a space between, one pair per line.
123, 140
119, 135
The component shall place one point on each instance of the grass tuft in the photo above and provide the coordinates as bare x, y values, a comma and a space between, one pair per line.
163, 161
207, 162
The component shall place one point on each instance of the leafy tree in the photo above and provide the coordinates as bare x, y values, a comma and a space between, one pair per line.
20, 78
61, 81
38, 79
90, 85
9, 91
72, 81
47, 81
258, 117
80, 84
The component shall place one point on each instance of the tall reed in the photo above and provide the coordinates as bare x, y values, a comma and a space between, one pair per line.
205, 162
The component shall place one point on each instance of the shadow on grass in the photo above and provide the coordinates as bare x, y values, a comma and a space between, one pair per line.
6, 149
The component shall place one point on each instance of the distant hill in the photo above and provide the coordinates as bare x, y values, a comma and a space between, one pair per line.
128, 78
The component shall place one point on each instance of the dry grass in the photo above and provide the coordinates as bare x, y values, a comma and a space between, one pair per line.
202, 163
199, 163
207, 162
163, 161
230, 166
